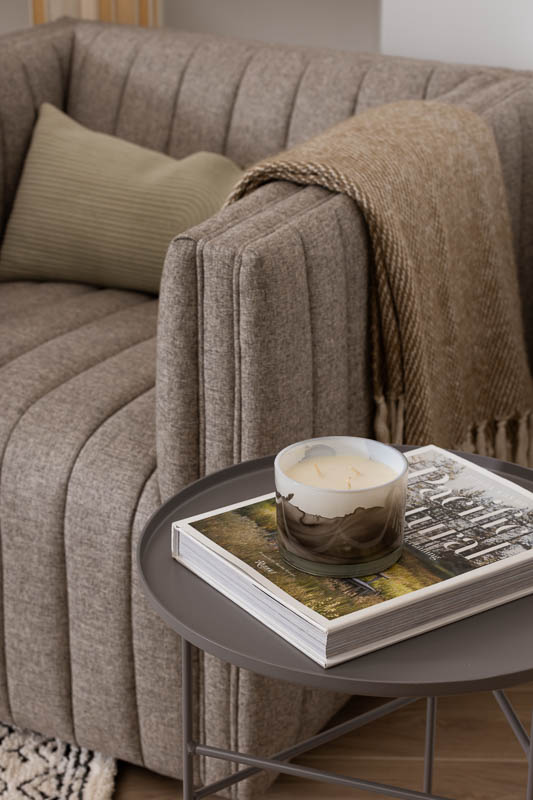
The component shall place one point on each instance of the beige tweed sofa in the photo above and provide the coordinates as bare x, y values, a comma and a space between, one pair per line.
107, 408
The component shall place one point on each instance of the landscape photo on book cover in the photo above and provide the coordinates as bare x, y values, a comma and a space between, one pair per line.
457, 519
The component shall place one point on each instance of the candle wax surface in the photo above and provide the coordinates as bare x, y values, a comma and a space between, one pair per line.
341, 472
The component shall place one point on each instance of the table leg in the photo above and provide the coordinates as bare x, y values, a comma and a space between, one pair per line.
186, 710
529, 791
431, 720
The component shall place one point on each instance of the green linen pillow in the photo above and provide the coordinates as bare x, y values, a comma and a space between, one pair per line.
96, 209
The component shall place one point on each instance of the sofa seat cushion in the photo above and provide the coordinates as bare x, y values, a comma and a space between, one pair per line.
77, 444
84, 656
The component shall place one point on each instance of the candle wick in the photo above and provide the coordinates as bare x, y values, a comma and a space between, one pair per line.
320, 474
349, 483
356, 471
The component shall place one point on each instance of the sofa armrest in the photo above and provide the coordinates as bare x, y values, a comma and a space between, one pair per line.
34, 68
263, 334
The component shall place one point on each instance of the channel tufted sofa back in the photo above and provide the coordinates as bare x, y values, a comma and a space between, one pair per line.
181, 92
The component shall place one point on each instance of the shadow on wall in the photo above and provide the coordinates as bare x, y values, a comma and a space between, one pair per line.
341, 24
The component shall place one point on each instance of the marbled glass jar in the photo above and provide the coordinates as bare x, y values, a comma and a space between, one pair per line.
340, 532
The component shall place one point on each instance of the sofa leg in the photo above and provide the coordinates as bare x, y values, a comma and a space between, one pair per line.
186, 710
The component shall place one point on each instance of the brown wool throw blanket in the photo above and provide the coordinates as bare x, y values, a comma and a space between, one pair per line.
449, 361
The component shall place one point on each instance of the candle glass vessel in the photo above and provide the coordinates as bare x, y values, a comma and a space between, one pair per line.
341, 532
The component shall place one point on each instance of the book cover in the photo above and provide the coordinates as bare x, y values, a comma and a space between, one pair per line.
460, 518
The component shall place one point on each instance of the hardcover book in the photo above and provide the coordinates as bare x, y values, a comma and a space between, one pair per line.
468, 547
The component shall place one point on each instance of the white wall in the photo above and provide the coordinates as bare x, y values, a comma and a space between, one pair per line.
493, 32
342, 24
14, 15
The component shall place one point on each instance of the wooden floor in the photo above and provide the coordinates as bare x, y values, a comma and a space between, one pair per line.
477, 755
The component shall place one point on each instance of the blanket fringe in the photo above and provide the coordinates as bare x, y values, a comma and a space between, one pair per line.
468, 445
398, 430
524, 446
382, 428
507, 439
481, 439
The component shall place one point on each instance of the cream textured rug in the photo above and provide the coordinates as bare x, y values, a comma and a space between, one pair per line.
33, 767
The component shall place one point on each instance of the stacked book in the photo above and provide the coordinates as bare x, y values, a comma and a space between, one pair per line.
468, 547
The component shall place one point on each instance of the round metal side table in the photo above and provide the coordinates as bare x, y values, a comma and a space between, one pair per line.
492, 650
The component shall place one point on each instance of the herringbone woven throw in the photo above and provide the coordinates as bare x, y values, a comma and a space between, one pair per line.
449, 358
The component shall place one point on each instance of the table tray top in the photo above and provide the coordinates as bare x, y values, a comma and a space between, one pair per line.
490, 650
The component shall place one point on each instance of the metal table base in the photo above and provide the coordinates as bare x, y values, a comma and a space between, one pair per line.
488, 651
280, 761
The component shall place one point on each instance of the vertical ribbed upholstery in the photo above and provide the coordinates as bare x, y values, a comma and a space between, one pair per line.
105, 485
156, 659
264, 102
204, 125
314, 93
277, 350
34, 67
99, 75
158, 88
17, 300
269, 299
262, 339
55, 396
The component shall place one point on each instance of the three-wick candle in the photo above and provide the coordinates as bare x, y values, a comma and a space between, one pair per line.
341, 472
340, 505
